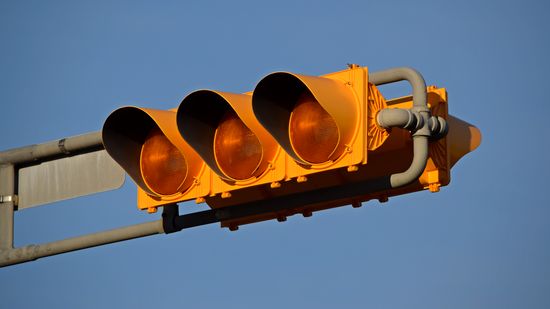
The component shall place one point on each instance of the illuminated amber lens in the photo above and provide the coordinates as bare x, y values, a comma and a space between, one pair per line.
163, 166
237, 150
313, 132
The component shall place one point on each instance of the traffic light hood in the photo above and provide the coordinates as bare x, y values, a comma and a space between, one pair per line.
278, 96
127, 133
222, 128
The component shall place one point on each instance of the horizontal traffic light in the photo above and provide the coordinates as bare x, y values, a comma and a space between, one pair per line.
292, 136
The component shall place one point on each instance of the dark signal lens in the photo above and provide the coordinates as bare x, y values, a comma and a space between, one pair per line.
237, 150
313, 132
163, 166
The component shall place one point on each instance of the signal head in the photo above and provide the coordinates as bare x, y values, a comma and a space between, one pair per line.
312, 118
222, 129
146, 144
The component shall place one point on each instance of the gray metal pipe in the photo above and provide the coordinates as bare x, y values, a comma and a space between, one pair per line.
421, 134
65, 146
420, 158
403, 73
33, 252
388, 118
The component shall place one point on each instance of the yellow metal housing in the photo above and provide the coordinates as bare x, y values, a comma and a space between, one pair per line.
242, 148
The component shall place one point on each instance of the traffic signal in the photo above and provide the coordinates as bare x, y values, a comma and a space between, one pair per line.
311, 142
221, 127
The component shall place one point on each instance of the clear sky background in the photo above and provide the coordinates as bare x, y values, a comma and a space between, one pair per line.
482, 242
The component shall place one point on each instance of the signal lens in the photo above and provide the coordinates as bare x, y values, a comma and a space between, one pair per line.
237, 150
163, 166
314, 134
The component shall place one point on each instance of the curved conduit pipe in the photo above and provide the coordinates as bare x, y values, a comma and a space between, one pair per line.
417, 120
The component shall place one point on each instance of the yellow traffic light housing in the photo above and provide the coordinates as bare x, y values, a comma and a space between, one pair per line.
305, 142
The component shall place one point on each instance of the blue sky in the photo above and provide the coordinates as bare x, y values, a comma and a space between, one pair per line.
482, 242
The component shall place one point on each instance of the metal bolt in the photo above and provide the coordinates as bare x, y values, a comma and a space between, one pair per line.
434, 187
226, 195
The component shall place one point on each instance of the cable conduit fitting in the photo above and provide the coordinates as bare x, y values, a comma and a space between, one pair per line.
395, 117
420, 107
438, 127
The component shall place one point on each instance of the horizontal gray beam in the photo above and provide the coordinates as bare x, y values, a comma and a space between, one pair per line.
62, 147
33, 252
